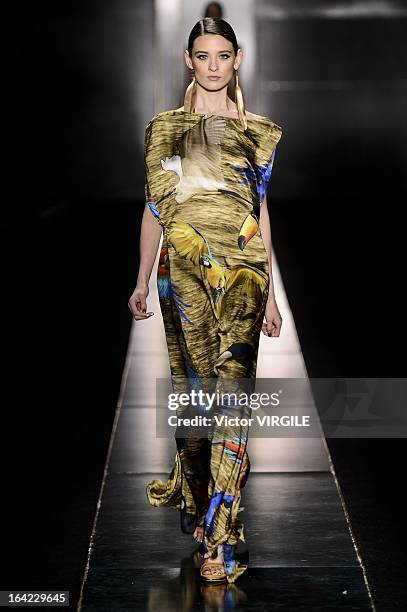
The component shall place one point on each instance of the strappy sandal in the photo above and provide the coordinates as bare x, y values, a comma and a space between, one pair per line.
215, 574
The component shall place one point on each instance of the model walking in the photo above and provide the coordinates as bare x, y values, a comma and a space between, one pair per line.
207, 167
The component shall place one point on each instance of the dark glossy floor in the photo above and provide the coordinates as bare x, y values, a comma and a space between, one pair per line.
299, 548
260, 589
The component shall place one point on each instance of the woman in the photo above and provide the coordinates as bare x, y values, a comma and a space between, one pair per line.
207, 167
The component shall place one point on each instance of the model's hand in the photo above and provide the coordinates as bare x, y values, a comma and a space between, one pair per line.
137, 302
273, 319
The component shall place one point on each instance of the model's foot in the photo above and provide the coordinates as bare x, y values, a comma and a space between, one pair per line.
198, 534
214, 566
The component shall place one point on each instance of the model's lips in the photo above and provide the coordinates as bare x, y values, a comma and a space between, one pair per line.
213, 78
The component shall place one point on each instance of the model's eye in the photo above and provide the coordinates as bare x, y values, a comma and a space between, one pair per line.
204, 57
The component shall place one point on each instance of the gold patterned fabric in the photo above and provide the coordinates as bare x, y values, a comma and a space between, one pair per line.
205, 180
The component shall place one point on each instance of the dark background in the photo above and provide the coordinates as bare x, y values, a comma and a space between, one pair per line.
70, 246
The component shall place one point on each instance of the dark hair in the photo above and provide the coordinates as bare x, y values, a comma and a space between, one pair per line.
212, 25
214, 7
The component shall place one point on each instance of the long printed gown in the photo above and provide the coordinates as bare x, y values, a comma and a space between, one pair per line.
205, 180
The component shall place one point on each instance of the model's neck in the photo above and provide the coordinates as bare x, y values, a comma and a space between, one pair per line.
213, 102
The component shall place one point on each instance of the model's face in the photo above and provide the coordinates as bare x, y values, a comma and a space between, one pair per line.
213, 61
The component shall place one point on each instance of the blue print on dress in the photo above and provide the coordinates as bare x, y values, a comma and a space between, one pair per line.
229, 557
151, 205
164, 286
264, 175
216, 498
258, 178
179, 303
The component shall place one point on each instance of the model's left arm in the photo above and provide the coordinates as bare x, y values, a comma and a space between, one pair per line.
272, 314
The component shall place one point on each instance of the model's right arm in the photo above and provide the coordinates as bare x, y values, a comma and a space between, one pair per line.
150, 236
